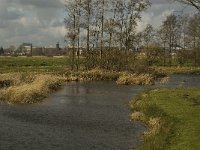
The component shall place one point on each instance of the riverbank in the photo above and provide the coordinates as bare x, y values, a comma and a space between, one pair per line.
172, 116
121, 78
26, 88
178, 70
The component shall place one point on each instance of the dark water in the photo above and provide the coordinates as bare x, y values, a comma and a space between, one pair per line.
82, 116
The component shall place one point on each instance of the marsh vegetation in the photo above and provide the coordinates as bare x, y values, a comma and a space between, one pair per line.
27, 88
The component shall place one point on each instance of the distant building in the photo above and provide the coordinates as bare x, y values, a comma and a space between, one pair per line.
26, 48
58, 46
1, 51
37, 51
51, 51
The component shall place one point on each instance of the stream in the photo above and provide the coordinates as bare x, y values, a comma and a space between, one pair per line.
81, 116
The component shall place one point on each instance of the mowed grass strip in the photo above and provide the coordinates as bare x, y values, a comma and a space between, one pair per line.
173, 118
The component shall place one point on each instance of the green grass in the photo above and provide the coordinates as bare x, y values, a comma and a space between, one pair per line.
35, 64
178, 70
178, 111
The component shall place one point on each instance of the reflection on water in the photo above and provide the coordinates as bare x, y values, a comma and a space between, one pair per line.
80, 116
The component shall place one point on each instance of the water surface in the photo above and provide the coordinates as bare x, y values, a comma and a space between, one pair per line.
85, 116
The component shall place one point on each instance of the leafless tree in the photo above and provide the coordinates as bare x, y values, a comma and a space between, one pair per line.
72, 22
98, 22
148, 35
170, 27
194, 3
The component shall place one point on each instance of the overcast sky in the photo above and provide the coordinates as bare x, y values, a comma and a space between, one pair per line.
41, 21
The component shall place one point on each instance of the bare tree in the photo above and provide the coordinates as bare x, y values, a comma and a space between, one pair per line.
72, 22
100, 22
170, 27
148, 35
102, 2
162, 37
194, 34
87, 15
1, 50
194, 3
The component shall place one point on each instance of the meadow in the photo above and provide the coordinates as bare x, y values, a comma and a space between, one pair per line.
33, 64
172, 117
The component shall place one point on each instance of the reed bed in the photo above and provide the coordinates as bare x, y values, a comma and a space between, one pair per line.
33, 87
135, 79
165, 80
29, 91
93, 75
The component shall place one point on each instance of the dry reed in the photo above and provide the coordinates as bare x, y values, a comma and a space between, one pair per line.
135, 79
164, 80
31, 92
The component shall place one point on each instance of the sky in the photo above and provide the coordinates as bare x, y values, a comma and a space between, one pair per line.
41, 22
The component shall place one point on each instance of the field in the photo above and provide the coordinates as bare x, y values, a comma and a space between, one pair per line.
172, 116
33, 64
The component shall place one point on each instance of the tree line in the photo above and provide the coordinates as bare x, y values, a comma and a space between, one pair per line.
105, 28
176, 41
106, 31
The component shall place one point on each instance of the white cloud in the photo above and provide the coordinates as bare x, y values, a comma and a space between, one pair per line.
41, 21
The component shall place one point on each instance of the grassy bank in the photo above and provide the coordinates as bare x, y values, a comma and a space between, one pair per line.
26, 88
34, 64
172, 116
178, 70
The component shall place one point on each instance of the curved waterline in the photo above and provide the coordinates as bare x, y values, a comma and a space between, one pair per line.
81, 116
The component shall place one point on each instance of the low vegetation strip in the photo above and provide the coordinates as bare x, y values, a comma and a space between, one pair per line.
92, 75
172, 116
178, 70
23, 88
136, 79
36, 90
122, 78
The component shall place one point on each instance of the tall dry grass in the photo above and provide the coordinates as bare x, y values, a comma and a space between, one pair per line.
93, 75
11, 79
135, 79
30, 91
165, 80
